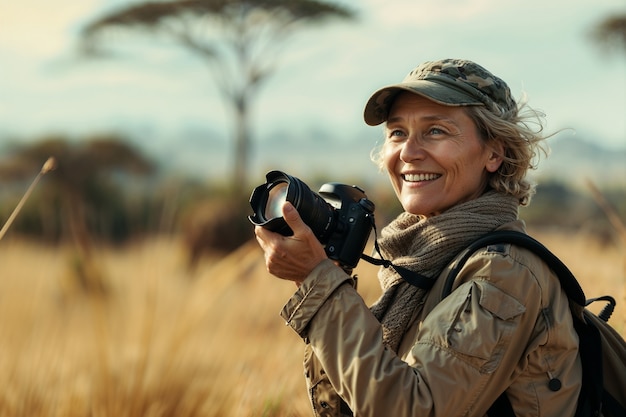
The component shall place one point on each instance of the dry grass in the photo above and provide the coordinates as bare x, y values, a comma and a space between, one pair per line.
166, 344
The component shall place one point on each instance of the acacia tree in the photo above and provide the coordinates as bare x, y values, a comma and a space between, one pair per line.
240, 40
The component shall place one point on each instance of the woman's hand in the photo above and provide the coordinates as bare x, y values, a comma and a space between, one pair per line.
291, 257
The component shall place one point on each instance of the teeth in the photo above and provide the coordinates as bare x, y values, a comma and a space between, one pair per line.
420, 177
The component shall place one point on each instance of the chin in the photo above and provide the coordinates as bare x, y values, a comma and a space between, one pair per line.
413, 210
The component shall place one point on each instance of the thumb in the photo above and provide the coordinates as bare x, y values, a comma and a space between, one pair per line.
293, 219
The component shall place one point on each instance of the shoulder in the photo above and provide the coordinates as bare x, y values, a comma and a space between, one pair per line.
516, 271
512, 269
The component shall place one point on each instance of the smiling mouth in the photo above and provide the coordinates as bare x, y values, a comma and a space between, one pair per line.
420, 177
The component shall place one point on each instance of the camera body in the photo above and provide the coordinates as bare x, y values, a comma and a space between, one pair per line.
354, 217
340, 216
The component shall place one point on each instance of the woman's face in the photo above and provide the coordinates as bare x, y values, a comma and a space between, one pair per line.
434, 155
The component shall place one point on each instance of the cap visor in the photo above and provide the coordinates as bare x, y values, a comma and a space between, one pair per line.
377, 107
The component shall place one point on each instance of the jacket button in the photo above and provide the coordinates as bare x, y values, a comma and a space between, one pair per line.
554, 384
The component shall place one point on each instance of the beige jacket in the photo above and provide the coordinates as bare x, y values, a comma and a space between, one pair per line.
506, 325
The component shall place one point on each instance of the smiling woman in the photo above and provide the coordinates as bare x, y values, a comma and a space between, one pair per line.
457, 150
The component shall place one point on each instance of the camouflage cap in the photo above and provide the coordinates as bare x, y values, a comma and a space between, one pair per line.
451, 82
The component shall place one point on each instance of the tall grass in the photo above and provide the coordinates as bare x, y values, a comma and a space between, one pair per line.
163, 343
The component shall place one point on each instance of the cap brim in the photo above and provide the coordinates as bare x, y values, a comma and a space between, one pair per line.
377, 107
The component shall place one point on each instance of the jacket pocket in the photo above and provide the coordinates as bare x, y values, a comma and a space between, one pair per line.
482, 325
324, 399
326, 402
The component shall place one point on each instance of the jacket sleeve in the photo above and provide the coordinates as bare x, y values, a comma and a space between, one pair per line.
456, 359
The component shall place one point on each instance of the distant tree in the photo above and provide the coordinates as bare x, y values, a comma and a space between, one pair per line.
240, 39
611, 32
82, 169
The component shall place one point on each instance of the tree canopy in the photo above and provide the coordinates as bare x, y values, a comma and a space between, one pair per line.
611, 32
241, 40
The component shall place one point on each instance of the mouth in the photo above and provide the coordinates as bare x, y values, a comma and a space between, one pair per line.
420, 177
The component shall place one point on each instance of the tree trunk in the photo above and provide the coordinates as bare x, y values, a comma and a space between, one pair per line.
242, 146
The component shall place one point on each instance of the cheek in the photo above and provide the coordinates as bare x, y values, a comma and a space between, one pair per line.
389, 159
390, 156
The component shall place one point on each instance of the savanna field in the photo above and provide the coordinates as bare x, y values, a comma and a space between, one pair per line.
161, 341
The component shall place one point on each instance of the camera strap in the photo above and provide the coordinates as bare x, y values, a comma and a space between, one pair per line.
413, 278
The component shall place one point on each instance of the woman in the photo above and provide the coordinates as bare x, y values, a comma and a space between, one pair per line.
457, 149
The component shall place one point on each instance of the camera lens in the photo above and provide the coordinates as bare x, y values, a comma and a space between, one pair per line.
275, 200
315, 211
267, 201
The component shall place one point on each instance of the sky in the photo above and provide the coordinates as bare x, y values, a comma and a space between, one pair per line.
167, 98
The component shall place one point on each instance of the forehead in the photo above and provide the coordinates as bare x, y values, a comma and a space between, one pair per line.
411, 105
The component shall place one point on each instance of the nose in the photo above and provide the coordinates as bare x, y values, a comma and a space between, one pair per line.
412, 149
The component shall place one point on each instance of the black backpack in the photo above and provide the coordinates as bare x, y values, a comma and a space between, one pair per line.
602, 349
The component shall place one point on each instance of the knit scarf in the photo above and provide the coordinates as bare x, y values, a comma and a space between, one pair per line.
427, 246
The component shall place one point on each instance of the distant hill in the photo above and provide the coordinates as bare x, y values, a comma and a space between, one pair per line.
314, 153
573, 160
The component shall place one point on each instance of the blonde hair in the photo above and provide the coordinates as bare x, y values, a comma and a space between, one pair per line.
521, 135
520, 132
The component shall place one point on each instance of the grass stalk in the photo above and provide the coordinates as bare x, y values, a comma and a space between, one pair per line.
48, 166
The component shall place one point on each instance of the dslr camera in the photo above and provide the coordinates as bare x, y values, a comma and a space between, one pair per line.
341, 216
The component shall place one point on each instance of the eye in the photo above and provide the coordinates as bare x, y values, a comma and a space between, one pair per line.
395, 134
435, 130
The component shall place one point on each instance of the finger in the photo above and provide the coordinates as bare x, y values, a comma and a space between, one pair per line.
259, 231
293, 219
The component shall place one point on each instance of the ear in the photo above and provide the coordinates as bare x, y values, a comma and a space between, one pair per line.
496, 151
